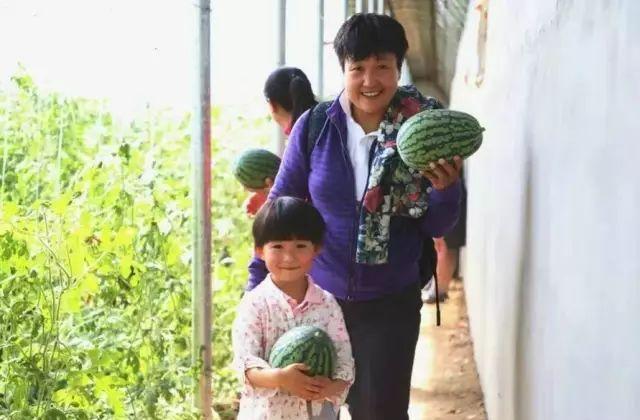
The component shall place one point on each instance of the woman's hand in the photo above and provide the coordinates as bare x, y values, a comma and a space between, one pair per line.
294, 379
443, 174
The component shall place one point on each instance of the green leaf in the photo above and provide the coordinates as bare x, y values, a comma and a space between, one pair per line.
60, 205
8, 210
71, 301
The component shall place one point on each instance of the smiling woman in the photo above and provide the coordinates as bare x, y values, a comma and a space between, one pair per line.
370, 256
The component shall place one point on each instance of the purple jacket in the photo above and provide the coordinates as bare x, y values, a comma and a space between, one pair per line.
327, 179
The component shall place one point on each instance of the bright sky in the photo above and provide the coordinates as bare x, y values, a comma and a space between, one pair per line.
137, 51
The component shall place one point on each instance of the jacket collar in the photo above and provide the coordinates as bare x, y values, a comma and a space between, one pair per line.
337, 116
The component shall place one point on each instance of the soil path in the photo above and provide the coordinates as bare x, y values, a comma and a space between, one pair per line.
445, 382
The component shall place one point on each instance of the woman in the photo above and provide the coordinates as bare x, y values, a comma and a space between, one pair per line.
288, 93
377, 218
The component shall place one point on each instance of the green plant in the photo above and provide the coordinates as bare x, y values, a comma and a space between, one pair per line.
95, 239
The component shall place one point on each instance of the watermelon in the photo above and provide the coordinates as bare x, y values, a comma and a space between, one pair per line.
437, 134
252, 167
305, 344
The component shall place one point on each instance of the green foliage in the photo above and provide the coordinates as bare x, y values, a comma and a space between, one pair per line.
95, 276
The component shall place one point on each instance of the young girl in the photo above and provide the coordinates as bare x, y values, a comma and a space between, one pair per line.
288, 234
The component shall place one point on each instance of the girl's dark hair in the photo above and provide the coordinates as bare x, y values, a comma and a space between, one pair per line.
366, 34
287, 218
289, 88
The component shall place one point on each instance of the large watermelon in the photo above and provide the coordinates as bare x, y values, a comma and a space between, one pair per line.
254, 166
438, 133
309, 345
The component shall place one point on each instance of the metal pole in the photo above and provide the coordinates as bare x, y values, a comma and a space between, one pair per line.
361, 6
320, 92
373, 6
381, 7
282, 32
345, 5
201, 191
281, 41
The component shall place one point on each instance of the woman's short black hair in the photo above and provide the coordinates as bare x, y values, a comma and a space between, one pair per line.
290, 88
366, 34
287, 218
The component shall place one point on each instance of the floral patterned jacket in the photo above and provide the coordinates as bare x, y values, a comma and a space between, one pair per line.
264, 314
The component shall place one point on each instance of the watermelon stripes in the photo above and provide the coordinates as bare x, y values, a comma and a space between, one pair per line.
438, 134
305, 344
254, 166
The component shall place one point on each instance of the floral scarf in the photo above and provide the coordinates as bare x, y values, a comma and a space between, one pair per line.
393, 188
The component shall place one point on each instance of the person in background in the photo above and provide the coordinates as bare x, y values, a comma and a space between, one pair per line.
448, 250
378, 213
288, 93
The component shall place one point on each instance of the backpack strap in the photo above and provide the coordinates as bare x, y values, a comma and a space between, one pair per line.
315, 124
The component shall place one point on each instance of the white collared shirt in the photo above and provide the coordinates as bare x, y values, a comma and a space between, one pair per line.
359, 146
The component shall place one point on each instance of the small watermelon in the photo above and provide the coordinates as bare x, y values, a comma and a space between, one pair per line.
438, 133
305, 344
254, 166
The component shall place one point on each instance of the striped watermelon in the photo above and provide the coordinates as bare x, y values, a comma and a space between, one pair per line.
438, 133
305, 344
254, 166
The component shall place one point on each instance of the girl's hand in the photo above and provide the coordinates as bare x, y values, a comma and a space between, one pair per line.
331, 389
294, 380
443, 174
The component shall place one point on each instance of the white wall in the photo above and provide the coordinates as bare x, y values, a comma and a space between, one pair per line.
553, 258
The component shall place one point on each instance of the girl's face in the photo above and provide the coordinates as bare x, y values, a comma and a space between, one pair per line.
371, 83
281, 116
288, 261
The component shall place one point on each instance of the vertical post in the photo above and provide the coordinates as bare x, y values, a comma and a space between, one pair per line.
282, 32
381, 7
347, 12
361, 6
373, 6
320, 92
201, 192
281, 50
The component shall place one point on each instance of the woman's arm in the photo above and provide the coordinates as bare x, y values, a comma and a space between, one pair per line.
293, 175
443, 211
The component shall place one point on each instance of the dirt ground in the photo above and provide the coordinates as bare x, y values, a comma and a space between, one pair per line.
445, 382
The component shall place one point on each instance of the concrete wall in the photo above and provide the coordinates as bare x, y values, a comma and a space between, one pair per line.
553, 258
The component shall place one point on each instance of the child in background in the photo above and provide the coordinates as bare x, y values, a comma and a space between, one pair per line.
288, 234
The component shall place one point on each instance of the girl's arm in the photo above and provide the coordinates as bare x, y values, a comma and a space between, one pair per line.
258, 378
291, 378
248, 349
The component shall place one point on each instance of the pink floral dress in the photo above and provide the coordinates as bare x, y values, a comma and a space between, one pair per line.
264, 314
